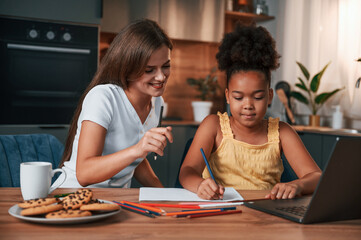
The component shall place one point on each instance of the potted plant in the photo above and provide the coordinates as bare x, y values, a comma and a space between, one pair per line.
207, 88
313, 99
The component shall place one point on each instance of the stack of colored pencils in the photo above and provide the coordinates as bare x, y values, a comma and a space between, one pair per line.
152, 210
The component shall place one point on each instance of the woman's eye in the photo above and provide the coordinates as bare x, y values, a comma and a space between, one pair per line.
238, 98
166, 66
149, 70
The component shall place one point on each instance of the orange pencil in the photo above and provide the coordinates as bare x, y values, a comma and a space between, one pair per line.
170, 205
213, 214
144, 207
192, 212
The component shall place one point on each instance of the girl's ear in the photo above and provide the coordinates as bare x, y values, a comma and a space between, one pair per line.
226, 93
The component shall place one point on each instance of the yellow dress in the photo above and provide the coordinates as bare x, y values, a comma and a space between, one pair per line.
245, 166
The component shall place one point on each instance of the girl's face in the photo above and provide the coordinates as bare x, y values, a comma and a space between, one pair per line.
156, 74
248, 95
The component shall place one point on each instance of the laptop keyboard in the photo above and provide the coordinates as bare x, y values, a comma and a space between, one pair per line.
297, 210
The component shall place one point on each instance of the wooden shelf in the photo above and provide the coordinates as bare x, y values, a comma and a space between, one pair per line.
247, 16
232, 17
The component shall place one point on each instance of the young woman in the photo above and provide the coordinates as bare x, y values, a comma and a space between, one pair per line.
244, 150
114, 127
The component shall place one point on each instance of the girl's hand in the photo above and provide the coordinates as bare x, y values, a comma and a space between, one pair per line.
284, 191
154, 140
208, 190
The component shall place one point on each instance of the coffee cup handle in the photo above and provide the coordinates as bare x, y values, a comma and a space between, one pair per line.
53, 187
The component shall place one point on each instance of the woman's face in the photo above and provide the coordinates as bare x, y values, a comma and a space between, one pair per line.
156, 74
248, 95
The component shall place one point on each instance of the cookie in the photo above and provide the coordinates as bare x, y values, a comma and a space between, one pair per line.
100, 207
77, 199
94, 201
37, 202
68, 214
41, 210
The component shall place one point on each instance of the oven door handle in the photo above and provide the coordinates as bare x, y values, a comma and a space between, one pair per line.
47, 49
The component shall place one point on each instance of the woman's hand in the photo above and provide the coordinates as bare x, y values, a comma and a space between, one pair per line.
208, 190
285, 191
154, 140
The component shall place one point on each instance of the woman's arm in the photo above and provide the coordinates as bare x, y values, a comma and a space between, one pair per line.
92, 167
146, 176
301, 162
190, 175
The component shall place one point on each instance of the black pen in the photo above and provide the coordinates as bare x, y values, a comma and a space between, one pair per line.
159, 124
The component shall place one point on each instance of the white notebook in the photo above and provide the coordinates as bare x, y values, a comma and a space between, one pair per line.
181, 194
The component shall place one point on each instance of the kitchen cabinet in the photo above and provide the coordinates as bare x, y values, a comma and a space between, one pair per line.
314, 144
320, 145
118, 13
166, 167
195, 20
59, 131
80, 11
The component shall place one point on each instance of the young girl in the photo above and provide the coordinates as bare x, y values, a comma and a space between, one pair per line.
114, 127
244, 150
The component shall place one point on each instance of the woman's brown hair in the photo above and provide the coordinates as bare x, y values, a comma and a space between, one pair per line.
127, 56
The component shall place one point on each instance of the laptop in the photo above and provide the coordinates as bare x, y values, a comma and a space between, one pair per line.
337, 195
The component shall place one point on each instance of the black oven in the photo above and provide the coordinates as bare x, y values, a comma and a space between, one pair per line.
44, 68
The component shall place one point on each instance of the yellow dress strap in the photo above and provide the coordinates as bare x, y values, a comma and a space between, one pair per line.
225, 125
273, 133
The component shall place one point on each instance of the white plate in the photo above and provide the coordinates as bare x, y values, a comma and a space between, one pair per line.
15, 212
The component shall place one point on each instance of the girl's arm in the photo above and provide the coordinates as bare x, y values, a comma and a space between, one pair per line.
92, 167
301, 162
146, 176
190, 175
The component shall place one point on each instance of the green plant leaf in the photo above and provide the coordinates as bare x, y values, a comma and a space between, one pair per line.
299, 96
207, 86
322, 98
302, 85
191, 81
304, 70
207, 78
316, 80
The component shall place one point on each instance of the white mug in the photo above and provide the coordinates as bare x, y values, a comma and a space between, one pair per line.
35, 179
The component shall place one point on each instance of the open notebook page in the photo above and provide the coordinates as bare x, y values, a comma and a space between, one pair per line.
181, 194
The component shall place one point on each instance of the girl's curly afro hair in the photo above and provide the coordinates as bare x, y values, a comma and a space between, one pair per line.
248, 48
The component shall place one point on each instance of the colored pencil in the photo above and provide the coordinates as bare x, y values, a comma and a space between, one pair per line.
159, 124
136, 210
213, 214
222, 209
143, 209
197, 203
208, 167
154, 209
170, 205
191, 212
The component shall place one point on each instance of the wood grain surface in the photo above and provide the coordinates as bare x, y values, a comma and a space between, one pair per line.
250, 224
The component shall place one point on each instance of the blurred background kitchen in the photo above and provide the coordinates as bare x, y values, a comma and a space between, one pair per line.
49, 51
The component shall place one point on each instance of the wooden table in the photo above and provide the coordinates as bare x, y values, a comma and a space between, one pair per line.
250, 224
